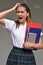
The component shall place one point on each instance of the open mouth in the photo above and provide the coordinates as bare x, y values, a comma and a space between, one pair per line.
20, 17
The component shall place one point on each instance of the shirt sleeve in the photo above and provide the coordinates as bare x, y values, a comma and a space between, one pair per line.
9, 24
41, 33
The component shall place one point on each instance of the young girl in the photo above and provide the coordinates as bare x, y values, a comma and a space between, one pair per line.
21, 54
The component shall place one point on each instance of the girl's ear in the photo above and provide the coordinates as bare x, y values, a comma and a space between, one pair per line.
27, 14
28, 17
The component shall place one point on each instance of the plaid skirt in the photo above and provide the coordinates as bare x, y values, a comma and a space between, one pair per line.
20, 56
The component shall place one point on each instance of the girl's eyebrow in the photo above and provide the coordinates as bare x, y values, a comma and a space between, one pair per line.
19, 11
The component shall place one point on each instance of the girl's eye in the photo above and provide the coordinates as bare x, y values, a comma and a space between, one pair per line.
17, 12
20, 12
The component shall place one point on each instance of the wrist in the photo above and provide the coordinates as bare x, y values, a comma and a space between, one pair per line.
32, 45
13, 9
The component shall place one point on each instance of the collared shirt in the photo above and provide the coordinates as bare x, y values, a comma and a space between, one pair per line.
17, 34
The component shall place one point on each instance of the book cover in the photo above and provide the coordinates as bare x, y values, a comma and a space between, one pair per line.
33, 32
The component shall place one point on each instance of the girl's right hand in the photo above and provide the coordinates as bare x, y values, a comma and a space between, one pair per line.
15, 7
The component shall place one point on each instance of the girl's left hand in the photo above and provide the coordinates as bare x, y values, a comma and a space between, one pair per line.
27, 45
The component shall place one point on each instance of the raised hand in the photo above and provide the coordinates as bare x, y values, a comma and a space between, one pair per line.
15, 7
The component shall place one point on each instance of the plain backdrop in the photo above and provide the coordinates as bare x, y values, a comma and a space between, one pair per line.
6, 45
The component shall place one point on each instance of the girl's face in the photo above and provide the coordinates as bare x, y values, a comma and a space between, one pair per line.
21, 14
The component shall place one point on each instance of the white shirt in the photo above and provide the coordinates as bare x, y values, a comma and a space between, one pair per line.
17, 34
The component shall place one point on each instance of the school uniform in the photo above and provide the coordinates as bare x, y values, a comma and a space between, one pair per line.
18, 55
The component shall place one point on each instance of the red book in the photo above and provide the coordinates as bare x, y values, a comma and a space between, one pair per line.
33, 31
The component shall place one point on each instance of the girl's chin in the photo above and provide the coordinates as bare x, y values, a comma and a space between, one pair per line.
20, 20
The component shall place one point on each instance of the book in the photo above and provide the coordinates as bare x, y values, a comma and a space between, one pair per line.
33, 32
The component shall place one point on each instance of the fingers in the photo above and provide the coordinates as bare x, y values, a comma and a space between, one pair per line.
16, 6
18, 3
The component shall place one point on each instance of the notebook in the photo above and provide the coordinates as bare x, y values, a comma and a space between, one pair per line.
33, 31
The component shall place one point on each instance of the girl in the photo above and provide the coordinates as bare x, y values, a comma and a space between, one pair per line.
21, 54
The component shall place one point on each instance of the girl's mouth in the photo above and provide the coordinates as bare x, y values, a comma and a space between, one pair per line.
20, 17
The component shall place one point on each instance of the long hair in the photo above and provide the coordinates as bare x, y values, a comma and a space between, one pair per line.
28, 18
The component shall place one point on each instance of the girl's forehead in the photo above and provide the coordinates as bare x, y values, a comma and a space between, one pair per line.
21, 8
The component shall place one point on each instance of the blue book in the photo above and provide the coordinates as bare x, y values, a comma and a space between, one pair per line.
33, 32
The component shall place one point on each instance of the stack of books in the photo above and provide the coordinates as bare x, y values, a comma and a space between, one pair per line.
33, 32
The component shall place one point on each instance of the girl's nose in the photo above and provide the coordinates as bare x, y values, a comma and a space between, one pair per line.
20, 13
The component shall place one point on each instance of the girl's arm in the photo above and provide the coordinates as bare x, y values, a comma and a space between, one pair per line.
33, 45
4, 13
